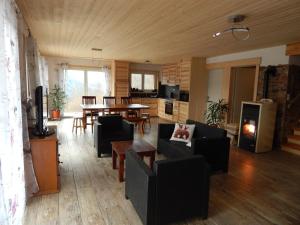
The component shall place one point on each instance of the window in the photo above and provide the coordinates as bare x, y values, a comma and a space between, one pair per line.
149, 81
83, 82
143, 81
137, 81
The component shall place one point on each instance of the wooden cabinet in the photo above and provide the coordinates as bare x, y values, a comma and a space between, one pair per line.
152, 103
180, 111
183, 111
175, 111
192, 77
185, 69
46, 163
120, 73
169, 74
161, 107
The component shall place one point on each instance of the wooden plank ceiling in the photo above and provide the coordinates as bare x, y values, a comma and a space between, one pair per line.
158, 30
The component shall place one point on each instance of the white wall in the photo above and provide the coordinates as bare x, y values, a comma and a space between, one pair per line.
270, 56
215, 78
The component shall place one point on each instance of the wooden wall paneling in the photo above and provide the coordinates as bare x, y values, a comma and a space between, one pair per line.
161, 107
185, 75
183, 112
175, 111
73, 28
173, 74
136, 100
293, 49
121, 79
152, 103
169, 74
198, 89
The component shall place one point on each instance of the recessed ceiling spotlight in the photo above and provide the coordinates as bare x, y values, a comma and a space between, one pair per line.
238, 31
97, 49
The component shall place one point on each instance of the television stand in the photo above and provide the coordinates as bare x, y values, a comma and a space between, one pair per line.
45, 160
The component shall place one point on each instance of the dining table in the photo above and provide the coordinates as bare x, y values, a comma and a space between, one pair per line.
97, 108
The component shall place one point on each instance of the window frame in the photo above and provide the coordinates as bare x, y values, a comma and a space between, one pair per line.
85, 71
143, 72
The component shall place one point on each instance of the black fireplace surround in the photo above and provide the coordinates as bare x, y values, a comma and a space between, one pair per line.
248, 129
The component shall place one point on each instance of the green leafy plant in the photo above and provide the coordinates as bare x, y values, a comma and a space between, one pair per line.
215, 114
57, 97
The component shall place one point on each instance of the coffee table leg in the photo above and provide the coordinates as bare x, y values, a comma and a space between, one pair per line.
152, 159
121, 168
114, 159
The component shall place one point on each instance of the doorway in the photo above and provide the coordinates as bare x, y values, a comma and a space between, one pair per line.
241, 89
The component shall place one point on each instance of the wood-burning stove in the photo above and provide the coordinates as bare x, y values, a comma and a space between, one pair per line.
257, 126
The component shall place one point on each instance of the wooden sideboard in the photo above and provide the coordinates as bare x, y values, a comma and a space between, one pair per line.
151, 102
45, 160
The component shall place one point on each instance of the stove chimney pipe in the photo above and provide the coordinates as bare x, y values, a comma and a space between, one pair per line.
270, 70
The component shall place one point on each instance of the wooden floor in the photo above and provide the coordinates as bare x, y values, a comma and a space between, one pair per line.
259, 188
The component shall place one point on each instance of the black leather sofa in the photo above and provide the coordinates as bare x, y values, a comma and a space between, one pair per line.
211, 142
111, 128
175, 190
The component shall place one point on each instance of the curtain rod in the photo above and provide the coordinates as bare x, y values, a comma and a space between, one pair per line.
84, 66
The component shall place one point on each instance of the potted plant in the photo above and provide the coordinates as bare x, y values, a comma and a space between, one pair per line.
215, 114
57, 97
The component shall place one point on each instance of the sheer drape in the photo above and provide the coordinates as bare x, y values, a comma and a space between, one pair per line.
108, 81
12, 186
31, 185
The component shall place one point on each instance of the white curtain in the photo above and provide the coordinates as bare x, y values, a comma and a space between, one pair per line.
62, 70
108, 81
31, 185
12, 185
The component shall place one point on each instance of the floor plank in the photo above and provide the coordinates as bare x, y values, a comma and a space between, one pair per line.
258, 189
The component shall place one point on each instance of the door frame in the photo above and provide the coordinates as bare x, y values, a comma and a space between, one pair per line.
226, 66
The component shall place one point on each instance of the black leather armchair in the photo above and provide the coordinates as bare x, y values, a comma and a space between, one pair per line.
111, 128
208, 141
175, 190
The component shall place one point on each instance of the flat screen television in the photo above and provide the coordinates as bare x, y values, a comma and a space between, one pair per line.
41, 128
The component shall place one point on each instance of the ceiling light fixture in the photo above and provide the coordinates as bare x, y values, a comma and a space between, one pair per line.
97, 49
238, 31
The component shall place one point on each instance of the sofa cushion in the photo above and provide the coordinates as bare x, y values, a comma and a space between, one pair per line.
111, 122
183, 132
117, 135
173, 149
204, 130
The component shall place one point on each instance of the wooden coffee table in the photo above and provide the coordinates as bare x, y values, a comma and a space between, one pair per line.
141, 147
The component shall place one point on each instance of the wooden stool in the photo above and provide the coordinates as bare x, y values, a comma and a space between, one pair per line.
146, 116
77, 122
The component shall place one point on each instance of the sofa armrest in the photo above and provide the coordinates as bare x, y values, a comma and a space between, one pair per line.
165, 130
98, 131
215, 150
129, 129
140, 187
178, 182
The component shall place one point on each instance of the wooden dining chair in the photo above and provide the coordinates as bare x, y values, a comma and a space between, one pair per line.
127, 101
89, 100
90, 114
109, 100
